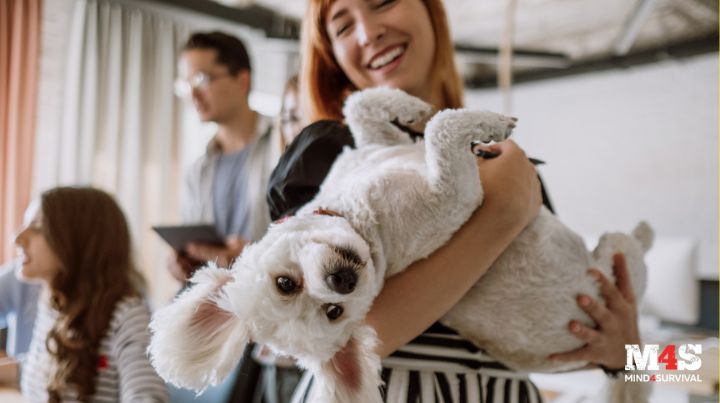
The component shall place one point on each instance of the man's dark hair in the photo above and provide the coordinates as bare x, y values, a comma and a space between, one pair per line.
230, 50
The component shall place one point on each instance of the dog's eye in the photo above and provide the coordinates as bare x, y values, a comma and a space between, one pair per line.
333, 311
286, 285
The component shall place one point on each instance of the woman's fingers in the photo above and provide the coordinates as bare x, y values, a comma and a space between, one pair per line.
584, 333
623, 278
613, 298
597, 311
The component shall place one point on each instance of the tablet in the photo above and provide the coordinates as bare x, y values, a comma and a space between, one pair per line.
178, 236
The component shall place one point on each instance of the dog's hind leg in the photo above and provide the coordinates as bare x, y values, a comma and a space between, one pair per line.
449, 135
633, 247
374, 116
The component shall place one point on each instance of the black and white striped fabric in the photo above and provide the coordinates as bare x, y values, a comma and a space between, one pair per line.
124, 370
439, 366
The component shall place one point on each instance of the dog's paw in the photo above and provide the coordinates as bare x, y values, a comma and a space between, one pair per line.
645, 235
388, 105
493, 126
482, 126
510, 124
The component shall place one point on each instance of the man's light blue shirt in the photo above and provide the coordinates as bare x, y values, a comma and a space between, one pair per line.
18, 304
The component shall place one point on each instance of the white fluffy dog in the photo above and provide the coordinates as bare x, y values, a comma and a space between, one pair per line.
305, 288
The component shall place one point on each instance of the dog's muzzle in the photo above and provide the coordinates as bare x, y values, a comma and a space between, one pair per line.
342, 281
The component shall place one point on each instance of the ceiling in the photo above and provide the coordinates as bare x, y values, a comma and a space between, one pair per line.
557, 36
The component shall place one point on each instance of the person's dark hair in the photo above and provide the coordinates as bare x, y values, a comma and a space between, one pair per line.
88, 232
231, 51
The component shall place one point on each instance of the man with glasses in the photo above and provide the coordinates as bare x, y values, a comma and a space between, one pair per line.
227, 185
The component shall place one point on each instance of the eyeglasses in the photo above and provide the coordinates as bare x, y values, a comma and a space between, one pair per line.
289, 120
183, 88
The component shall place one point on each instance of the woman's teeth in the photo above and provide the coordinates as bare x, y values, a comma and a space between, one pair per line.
387, 58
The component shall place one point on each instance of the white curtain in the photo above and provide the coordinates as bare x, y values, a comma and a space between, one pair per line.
119, 126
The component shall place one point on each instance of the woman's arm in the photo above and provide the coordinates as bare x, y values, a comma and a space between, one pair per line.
9, 289
414, 299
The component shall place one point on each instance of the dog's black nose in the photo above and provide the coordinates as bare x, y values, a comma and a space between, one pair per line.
342, 281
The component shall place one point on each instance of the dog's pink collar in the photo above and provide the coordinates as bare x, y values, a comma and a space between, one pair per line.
325, 211
317, 211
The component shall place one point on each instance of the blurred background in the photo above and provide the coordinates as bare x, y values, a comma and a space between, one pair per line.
618, 97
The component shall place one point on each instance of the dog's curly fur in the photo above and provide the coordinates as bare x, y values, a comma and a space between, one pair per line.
305, 288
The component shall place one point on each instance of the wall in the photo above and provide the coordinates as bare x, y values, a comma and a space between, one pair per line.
630, 144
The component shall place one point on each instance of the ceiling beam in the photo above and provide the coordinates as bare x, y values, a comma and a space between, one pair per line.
521, 57
274, 25
704, 45
632, 26
710, 5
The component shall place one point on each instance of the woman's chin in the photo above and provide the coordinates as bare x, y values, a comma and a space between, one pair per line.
396, 83
27, 275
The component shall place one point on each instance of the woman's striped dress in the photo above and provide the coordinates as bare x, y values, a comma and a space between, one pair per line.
439, 366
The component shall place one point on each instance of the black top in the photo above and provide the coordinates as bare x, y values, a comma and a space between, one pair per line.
307, 160
303, 167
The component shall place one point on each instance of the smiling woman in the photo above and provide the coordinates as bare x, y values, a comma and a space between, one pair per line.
384, 43
361, 44
352, 45
91, 329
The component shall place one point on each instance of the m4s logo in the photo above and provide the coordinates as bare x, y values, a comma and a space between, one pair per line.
684, 358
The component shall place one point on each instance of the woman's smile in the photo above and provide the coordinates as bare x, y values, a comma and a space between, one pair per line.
388, 59
388, 43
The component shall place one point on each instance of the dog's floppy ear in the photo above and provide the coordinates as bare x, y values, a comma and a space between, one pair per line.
196, 341
353, 373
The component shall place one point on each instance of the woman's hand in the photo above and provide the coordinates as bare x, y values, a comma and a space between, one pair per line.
616, 321
510, 184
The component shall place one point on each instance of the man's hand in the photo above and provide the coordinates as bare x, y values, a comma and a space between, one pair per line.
8, 372
223, 255
181, 267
